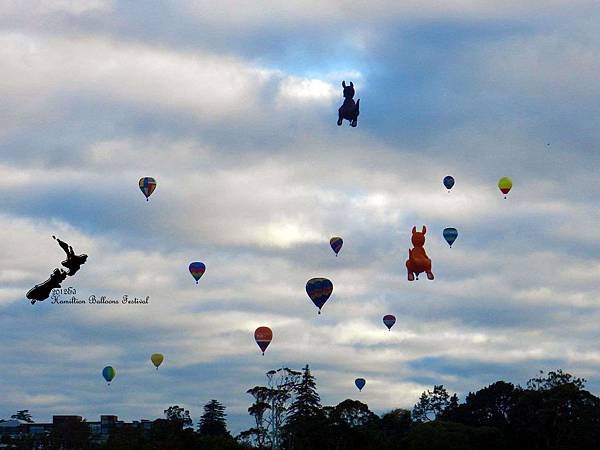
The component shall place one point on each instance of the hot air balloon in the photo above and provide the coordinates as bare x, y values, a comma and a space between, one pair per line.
336, 243
147, 186
389, 320
319, 290
448, 182
197, 269
450, 234
109, 373
505, 185
263, 337
360, 383
157, 359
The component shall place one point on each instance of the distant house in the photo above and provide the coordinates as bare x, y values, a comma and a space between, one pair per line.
12, 427
100, 430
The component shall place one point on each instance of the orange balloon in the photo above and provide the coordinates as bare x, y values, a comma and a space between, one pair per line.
263, 337
418, 261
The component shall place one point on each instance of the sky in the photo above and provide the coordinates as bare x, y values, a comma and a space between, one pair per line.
232, 108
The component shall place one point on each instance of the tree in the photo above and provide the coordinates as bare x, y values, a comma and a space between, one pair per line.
178, 415
440, 435
489, 406
307, 402
555, 412
394, 425
72, 434
306, 422
213, 422
282, 385
258, 435
170, 435
128, 438
432, 404
23, 415
352, 426
271, 407
353, 414
553, 380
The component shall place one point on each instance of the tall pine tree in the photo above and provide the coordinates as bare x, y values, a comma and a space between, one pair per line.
305, 424
307, 403
213, 422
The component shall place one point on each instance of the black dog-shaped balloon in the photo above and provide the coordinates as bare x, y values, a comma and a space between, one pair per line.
349, 110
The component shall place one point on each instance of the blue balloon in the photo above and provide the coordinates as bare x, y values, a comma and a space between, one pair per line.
450, 234
360, 383
448, 182
109, 373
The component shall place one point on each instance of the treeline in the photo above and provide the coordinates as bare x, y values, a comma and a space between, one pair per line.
552, 411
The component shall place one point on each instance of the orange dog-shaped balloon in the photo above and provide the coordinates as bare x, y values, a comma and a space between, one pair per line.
418, 261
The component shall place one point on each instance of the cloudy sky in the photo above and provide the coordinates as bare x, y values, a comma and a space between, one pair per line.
232, 108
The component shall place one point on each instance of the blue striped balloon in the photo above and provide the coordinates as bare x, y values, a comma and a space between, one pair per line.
336, 243
319, 290
389, 320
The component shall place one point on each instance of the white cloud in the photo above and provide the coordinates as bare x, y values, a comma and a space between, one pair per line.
518, 288
21, 10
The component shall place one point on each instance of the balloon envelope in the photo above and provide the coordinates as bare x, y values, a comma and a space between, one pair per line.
448, 182
360, 383
505, 185
450, 234
147, 186
157, 359
263, 337
389, 321
319, 290
336, 243
197, 269
109, 373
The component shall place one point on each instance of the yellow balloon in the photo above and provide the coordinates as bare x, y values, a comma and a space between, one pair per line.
157, 359
505, 185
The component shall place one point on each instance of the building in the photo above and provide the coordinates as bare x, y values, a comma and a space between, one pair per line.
100, 430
